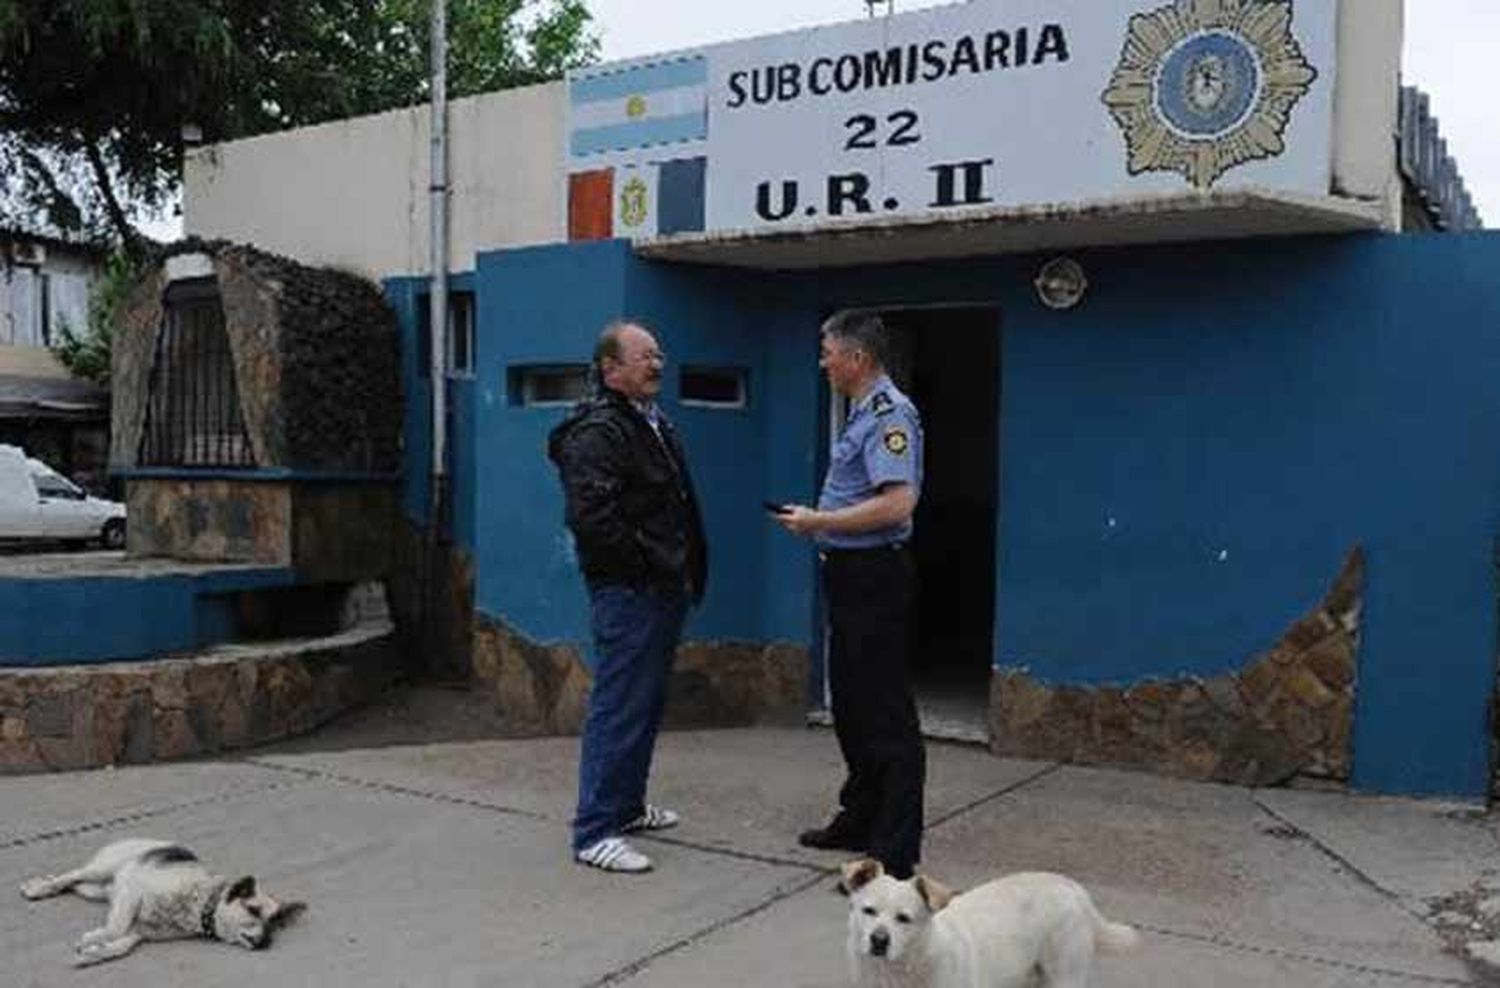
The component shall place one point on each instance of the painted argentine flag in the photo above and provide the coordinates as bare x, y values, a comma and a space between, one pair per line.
640, 106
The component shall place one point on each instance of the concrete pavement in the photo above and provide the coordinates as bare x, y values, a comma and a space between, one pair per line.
444, 863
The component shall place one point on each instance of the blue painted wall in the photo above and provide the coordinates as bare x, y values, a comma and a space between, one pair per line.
407, 296
1186, 464
1185, 461
62, 621
546, 306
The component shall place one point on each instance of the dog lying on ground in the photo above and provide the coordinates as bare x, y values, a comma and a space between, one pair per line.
157, 890
1022, 930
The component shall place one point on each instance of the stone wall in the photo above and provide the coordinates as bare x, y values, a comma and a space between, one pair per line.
252, 321
210, 520
131, 353
316, 361
234, 696
1289, 712
326, 351
543, 689
327, 532
342, 532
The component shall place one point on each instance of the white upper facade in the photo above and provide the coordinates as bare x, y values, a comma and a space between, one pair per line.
975, 127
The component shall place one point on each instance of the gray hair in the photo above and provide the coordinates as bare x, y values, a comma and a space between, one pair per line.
865, 330
608, 346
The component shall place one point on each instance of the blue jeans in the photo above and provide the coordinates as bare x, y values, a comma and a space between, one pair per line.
635, 641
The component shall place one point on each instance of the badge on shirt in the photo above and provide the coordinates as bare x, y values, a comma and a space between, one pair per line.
896, 442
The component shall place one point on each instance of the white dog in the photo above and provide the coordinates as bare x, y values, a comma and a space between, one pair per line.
1022, 930
157, 890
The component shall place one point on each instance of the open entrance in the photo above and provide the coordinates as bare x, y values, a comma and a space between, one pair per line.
947, 360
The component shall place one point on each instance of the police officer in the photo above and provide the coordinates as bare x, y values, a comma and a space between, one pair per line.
862, 525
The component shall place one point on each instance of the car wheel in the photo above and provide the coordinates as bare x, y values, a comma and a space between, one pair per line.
114, 534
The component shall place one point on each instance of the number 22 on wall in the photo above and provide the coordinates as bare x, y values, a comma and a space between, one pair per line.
862, 128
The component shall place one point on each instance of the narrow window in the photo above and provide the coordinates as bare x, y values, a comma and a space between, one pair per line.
461, 333
548, 384
714, 387
460, 338
44, 303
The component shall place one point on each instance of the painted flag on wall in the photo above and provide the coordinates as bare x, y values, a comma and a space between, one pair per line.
591, 205
638, 107
679, 195
635, 201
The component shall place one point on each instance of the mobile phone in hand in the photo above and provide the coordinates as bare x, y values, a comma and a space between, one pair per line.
776, 509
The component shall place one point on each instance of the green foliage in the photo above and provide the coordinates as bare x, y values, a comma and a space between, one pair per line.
94, 93
86, 353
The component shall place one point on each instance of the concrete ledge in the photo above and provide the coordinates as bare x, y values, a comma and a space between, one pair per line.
59, 610
1222, 214
231, 696
543, 689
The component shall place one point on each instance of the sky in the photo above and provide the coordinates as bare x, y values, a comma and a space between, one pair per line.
1448, 53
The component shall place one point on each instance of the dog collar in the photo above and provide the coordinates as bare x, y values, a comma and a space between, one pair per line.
206, 916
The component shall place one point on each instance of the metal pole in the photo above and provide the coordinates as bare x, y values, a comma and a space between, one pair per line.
437, 321
438, 195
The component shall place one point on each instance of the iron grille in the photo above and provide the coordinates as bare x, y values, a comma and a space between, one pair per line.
193, 405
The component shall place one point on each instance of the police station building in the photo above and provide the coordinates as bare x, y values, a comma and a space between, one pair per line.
1203, 334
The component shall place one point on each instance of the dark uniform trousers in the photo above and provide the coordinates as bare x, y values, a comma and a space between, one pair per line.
869, 594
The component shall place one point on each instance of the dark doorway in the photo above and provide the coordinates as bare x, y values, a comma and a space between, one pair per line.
947, 359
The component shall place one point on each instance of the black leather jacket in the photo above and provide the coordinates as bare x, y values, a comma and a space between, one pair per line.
630, 500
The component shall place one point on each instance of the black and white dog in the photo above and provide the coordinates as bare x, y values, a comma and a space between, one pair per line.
157, 890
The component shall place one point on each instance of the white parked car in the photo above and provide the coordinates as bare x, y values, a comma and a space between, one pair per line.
38, 503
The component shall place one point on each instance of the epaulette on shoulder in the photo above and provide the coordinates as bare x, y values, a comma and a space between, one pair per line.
882, 404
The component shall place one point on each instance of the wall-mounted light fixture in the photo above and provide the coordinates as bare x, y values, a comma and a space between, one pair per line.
1061, 283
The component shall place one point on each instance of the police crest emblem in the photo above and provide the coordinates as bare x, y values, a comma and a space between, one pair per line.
896, 442
635, 205
1204, 86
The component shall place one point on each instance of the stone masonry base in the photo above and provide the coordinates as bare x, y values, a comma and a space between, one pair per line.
1289, 712
232, 696
543, 689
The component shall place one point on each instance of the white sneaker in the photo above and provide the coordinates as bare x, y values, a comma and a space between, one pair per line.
653, 818
613, 854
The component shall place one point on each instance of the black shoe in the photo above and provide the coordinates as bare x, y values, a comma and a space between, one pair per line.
837, 836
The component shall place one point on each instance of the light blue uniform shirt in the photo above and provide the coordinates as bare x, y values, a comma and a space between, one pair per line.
881, 444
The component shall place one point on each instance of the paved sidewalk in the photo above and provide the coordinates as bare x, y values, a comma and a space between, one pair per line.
445, 864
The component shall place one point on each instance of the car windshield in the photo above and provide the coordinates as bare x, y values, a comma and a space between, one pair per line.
50, 483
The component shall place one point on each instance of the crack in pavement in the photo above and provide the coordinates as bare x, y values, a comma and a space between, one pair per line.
820, 873
1280, 953
149, 813
390, 787
1354, 870
641, 964
1001, 793
1394, 898
480, 804
637, 966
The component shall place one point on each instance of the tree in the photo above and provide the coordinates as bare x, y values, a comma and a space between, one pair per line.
85, 350
94, 94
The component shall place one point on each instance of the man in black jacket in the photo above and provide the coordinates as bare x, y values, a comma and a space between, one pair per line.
635, 521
